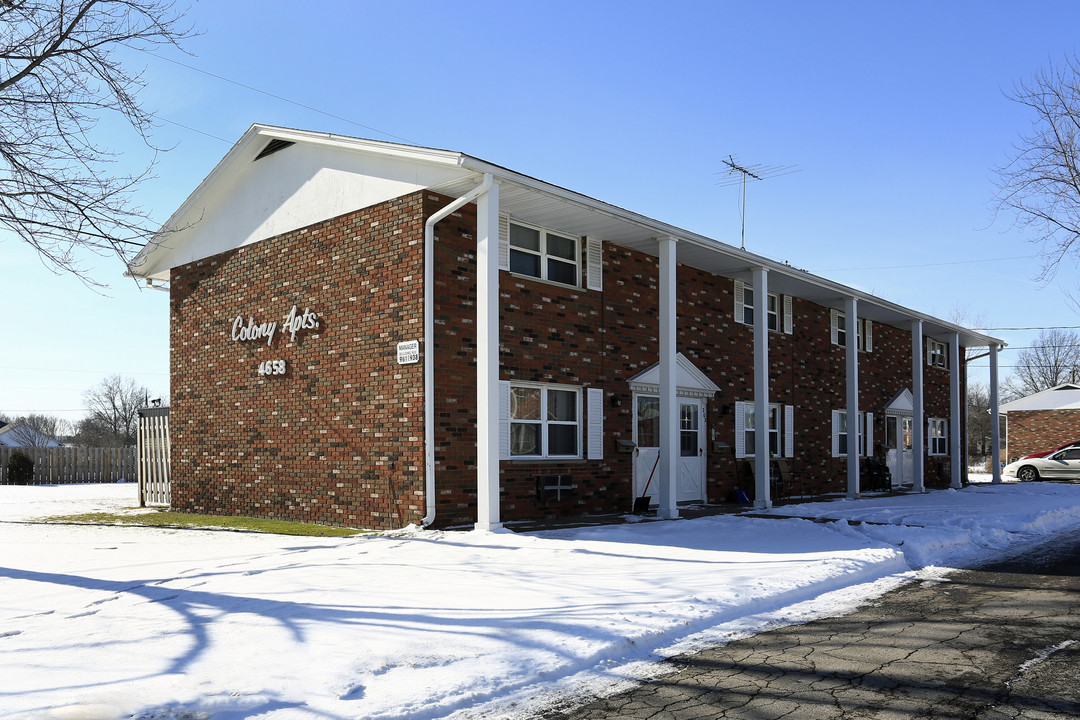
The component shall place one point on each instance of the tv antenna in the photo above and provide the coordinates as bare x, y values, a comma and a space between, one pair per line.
753, 172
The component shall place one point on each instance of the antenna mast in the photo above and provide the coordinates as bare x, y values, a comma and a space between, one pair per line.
755, 172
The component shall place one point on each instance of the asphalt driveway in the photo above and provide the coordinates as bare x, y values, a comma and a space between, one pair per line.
995, 643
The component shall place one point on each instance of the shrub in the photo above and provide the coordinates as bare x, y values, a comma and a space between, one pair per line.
20, 469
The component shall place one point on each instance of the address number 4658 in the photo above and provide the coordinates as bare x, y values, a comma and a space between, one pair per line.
272, 367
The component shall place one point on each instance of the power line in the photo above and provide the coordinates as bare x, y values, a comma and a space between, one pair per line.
268, 94
1044, 327
935, 264
85, 372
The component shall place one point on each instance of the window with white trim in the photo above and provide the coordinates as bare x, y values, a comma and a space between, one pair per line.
842, 432
937, 354
780, 430
839, 327
544, 421
543, 254
777, 309
937, 431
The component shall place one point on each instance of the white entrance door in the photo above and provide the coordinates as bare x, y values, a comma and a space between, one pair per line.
691, 451
691, 466
899, 457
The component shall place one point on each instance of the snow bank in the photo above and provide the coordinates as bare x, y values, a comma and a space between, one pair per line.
121, 622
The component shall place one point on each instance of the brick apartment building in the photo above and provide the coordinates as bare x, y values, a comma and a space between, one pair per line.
372, 334
1043, 420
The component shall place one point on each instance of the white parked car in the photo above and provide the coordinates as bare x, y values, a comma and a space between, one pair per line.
1060, 465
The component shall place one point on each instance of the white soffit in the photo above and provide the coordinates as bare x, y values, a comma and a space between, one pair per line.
314, 178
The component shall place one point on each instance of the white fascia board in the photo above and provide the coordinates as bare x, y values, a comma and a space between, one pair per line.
155, 260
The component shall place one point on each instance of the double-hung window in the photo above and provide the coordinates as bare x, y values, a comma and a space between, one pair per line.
781, 419
842, 430
544, 421
777, 308
839, 328
938, 432
937, 354
543, 254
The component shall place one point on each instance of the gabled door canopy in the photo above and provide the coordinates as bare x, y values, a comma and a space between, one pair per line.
689, 381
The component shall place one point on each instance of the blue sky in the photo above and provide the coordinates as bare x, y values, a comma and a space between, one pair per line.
894, 113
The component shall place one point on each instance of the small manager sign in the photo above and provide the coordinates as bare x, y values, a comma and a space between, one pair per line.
408, 352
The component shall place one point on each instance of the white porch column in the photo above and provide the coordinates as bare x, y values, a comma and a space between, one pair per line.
762, 496
995, 417
918, 427
854, 428
669, 409
956, 428
487, 360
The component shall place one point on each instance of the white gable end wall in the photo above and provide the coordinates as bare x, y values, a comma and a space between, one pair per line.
293, 188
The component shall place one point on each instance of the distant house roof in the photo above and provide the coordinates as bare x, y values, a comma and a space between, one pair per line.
10, 438
1062, 397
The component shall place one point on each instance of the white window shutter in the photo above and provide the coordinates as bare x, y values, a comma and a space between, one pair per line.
929, 354
594, 263
596, 423
504, 420
740, 429
788, 324
832, 326
836, 434
504, 242
789, 431
868, 331
869, 434
739, 295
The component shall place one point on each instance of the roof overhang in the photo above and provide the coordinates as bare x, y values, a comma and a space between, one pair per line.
535, 201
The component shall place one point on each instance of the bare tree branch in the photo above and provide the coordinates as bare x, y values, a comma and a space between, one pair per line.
113, 412
1052, 359
60, 76
1040, 184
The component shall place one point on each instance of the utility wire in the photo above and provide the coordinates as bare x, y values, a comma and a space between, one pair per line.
268, 94
935, 264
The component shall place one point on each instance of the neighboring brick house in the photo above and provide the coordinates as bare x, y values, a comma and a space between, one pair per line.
1042, 421
372, 334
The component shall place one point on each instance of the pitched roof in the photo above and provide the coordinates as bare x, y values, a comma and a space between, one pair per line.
275, 180
1061, 397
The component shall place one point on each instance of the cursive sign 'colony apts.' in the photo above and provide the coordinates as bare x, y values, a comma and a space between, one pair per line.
265, 330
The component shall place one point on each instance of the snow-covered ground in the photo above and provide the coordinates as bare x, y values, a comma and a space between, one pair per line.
105, 623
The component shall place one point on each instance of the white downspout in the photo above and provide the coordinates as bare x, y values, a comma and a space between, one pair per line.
429, 341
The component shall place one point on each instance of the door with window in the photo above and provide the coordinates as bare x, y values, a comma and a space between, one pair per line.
898, 455
690, 478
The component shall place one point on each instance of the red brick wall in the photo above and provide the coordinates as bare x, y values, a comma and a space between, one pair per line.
1038, 430
337, 439
555, 334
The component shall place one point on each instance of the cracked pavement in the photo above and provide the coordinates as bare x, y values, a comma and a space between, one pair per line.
997, 643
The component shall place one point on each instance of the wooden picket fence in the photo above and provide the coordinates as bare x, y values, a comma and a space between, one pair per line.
70, 465
154, 453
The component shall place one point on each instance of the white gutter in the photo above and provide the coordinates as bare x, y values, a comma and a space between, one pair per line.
429, 339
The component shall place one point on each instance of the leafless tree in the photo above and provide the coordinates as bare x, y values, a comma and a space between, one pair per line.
60, 75
979, 423
1052, 359
113, 412
1041, 181
37, 430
